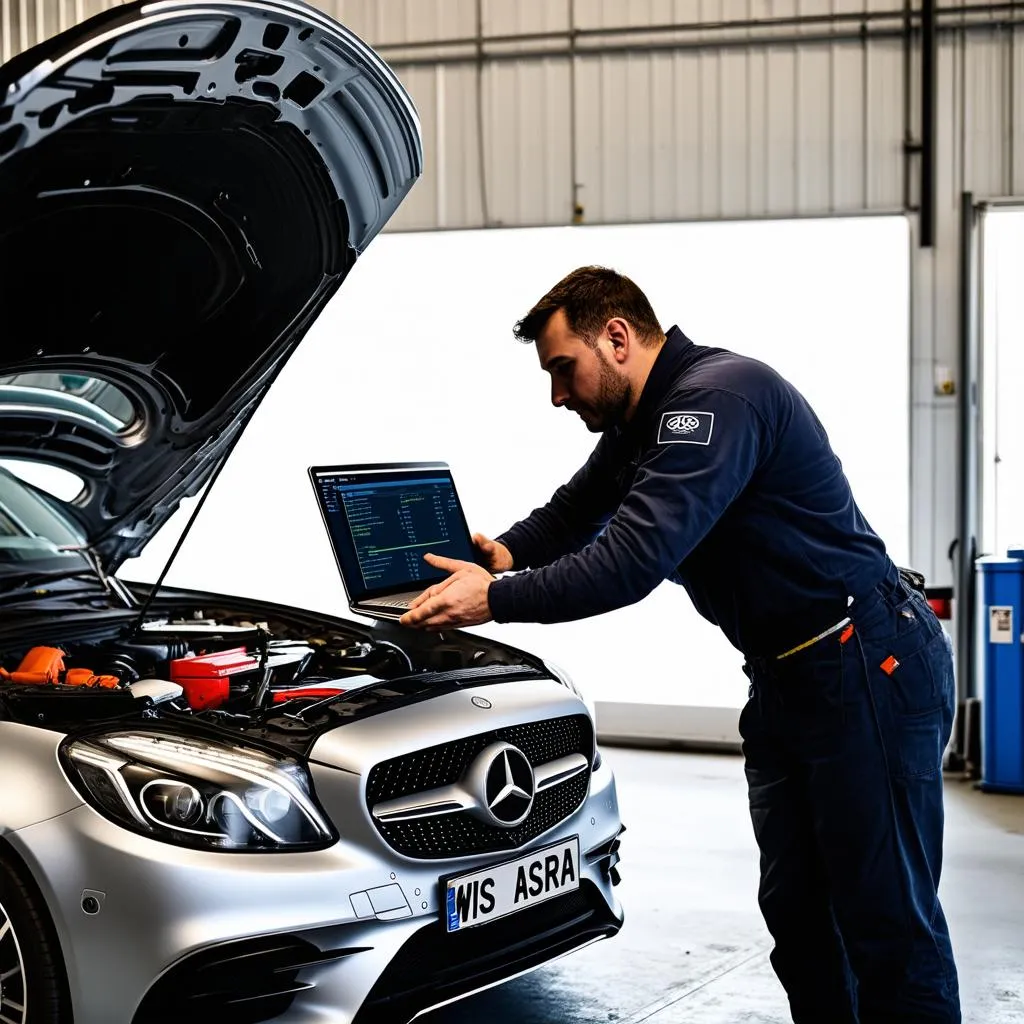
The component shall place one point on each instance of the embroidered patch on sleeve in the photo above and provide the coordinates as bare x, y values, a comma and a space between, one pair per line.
686, 427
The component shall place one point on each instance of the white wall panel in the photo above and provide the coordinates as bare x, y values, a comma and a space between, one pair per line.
935, 334
605, 181
503, 18
665, 155
884, 99
458, 181
405, 21
23, 23
758, 104
526, 143
638, 140
850, 108
733, 147
780, 120
987, 150
813, 169
709, 104
1016, 69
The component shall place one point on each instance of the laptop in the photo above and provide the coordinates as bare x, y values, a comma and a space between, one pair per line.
381, 519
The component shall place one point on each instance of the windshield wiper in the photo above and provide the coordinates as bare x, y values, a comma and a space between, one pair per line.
29, 581
28, 584
36, 584
111, 584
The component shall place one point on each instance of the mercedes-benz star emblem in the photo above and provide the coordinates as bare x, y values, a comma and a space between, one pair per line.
481, 702
503, 782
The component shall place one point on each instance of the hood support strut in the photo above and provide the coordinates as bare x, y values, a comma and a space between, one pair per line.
133, 631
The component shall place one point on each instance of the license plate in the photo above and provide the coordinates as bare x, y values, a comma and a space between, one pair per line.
502, 889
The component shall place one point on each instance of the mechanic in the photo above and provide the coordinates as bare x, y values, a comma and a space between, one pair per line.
713, 471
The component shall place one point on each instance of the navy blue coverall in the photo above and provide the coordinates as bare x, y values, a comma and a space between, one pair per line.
724, 481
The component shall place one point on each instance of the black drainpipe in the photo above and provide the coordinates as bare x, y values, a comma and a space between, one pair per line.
929, 54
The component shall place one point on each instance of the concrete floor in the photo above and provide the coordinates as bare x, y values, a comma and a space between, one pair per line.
694, 948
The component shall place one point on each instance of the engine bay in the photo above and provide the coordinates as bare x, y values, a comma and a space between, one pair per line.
275, 677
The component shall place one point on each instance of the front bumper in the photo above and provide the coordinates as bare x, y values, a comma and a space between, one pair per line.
184, 934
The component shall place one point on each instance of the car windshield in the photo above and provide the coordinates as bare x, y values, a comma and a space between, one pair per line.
34, 535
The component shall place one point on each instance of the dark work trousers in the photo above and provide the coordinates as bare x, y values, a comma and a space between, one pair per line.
844, 770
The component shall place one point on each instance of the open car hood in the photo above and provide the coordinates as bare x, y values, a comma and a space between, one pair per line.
182, 188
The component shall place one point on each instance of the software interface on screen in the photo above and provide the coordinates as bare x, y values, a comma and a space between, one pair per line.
392, 523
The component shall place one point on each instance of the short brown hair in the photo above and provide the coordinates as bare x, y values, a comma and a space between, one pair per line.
590, 297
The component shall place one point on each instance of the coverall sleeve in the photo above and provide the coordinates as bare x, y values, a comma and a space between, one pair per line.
573, 516
684, 483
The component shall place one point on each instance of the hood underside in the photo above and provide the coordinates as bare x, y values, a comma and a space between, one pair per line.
182, 189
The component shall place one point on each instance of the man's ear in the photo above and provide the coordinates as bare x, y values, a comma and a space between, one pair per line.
620, 335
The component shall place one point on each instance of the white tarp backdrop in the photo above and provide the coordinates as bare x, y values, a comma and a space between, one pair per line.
414, 360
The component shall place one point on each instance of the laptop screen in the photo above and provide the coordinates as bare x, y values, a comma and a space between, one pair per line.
382, 519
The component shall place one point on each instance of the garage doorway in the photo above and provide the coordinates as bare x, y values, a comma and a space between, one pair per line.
1002, 337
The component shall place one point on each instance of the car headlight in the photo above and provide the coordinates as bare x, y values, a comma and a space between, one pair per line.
199, 793
560, 675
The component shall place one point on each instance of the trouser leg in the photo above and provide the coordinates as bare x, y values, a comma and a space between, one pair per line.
868, 745
793, 895
876, 793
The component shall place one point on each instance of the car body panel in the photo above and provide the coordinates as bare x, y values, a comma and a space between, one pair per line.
161, 904
25, 751
357, 747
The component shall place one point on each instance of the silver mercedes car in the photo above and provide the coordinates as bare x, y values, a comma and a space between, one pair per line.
216, 809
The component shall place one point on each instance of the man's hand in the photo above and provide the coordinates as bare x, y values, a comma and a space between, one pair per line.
460, 600
496, 556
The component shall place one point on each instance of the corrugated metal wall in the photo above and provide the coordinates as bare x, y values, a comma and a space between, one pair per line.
610, 111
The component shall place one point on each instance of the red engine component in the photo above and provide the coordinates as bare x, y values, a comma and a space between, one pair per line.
206, 678
44, 666
85, 677
305, 692
40, 666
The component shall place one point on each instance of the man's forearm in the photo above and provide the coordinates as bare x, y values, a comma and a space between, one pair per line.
543, 537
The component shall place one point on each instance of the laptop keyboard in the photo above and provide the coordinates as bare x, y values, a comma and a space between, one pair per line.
394, 601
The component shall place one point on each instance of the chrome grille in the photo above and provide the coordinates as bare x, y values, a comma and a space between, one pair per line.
460, 834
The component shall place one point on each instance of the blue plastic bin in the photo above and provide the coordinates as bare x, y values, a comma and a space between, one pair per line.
1002, 733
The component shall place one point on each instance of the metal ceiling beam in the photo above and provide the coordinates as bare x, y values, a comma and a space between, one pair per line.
850, 27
